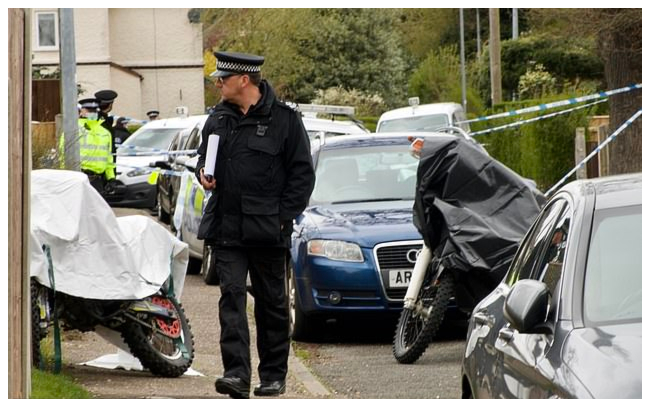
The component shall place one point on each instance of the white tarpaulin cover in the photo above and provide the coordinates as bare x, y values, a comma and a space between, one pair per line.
96, 255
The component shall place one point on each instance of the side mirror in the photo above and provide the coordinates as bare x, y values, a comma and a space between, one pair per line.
161, 164
526, 306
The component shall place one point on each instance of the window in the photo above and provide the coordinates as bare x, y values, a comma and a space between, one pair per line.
194, 140
47, 30
613, 283
416, 123
364, 174
530, 255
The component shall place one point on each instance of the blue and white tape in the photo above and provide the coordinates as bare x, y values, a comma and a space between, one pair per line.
150, 149
545, 106
156, 152
155, 169
547, 116
596, 151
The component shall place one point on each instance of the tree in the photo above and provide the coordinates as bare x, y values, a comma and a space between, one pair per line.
308, 50
618, 35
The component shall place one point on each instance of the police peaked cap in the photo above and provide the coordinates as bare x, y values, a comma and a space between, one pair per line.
234, 63
153, 113
89, 103
106, 96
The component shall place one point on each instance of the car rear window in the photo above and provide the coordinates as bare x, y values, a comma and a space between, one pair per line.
612, 292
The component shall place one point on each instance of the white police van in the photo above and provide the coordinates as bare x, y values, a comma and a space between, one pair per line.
426, 117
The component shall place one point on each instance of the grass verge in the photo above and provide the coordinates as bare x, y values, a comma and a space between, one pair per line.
46, 385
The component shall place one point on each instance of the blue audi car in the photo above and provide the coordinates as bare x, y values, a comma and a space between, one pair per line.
355, 245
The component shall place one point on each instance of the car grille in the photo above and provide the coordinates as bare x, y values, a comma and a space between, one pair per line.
392, 256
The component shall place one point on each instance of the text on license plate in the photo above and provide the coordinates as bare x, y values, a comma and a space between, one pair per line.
399, 278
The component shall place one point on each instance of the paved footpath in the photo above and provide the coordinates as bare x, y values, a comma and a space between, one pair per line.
200, 304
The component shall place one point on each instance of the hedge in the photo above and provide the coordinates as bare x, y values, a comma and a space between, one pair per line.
541, 150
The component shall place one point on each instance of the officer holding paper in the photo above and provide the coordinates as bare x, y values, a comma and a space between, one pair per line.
262, 180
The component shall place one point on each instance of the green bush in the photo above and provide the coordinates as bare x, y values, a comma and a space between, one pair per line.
541, 150
574, 64
365, 104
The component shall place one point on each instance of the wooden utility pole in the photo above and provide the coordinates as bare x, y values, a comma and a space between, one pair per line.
462, 61
19, 84
495, 56
478, 34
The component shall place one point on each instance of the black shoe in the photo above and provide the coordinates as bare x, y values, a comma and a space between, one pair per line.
270, 388
235, 387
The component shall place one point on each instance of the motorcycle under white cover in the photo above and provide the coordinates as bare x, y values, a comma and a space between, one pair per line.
96, 255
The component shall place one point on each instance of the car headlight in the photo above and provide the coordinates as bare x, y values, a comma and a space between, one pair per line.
138, 171
335, 250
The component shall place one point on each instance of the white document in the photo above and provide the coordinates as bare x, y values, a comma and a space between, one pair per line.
211, 157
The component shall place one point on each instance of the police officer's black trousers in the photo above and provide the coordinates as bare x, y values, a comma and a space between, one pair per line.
267, 269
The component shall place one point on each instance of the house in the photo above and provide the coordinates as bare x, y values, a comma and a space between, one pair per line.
153, 58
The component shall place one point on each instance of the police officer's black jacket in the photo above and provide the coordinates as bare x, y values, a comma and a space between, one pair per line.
264, 173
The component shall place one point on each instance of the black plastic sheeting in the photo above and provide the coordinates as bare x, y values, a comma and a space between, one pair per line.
473, 212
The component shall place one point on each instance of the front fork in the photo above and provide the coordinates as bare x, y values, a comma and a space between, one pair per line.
417, 277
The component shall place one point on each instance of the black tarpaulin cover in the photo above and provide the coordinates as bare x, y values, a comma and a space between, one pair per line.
472, 210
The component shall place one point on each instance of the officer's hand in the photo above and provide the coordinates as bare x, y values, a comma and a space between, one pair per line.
416, 146
207, 184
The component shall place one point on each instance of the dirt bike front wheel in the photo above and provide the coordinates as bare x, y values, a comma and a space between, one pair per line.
167, 350
417, 327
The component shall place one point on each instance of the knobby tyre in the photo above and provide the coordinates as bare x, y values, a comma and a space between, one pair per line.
162, 355
415, 330
38, 333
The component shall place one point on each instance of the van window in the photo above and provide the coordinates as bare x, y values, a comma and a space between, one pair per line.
415, 123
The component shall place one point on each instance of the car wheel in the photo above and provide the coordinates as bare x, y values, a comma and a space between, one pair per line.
162, 215
301, 327
208, 267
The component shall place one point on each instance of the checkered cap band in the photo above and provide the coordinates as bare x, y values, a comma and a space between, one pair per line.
238, 67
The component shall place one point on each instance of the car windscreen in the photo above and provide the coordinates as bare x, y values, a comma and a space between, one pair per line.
612, 292
365, 174
158, 138
415, 123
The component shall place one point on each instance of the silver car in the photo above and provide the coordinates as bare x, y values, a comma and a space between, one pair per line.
566, 320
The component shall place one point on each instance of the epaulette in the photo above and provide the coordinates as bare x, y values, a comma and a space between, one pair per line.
288, 105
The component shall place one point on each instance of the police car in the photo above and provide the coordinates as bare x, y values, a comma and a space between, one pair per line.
133, 171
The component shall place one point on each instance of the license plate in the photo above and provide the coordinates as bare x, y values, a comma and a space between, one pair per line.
399, 278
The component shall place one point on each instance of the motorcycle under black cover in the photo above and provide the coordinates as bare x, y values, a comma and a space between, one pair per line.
472, 210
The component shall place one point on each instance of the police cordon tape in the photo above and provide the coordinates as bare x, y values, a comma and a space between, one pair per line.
155, 172
521, 122
596, 151
154, 152
551, 105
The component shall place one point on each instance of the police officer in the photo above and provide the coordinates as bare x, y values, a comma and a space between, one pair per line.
153, 115
263, 180
105, 99
94, 147
120, 132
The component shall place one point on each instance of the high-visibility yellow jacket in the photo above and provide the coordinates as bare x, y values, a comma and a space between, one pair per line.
94, 148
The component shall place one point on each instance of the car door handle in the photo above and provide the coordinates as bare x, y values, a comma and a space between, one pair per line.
506, 334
